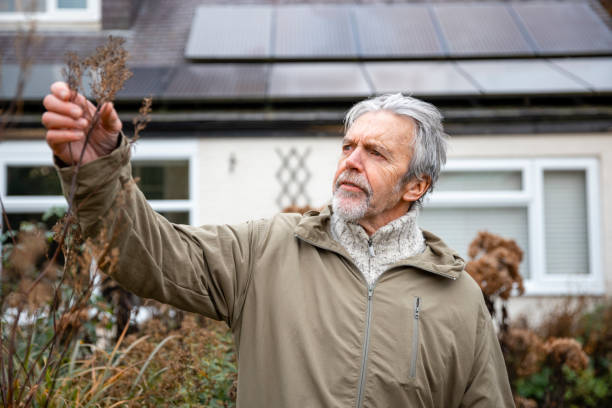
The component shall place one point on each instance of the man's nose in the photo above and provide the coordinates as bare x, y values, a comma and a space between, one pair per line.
355, 159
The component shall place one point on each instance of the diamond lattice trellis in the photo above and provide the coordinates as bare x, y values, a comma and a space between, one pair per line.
293, 176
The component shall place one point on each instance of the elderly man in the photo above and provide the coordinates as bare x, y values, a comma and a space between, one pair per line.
353, 306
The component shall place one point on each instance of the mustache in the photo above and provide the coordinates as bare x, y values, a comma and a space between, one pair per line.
355, 178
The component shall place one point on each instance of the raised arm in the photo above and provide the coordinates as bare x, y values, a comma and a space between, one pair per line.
199, 269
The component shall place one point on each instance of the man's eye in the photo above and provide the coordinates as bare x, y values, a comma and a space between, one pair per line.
375, 153
346, 148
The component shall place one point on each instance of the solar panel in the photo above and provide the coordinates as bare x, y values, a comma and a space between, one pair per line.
473, 29
565, 27
597, 72
146, 81
419, 78
318, 80
192, 81
519, 76
396, 30
309, 31
37, 81
230, 31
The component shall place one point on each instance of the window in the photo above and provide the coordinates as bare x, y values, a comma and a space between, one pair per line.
29, 185
75, 11
548, 206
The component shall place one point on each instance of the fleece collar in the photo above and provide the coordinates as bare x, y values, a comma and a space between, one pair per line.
437, 258
399, 239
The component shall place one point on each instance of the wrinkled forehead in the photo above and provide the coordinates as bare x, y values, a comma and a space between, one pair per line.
382, 126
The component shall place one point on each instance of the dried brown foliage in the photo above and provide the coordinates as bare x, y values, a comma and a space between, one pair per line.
566, 351
144, 117
596, 330
73, 72
108, 70
524, 352
521, 402
45, 297
495, 265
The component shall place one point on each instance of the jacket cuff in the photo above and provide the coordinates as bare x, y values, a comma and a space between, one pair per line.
97, 184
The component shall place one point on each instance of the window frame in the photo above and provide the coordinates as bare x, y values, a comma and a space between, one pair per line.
37, 153
91, 14
531, 197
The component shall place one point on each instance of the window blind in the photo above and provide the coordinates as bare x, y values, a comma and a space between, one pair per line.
459, 226
565, 222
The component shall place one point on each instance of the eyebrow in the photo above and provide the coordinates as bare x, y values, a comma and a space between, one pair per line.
371, 146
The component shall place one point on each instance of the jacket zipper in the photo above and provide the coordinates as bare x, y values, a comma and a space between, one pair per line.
364, 357
415, 337
366, 342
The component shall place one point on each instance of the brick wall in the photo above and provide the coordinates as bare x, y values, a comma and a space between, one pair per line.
119, 14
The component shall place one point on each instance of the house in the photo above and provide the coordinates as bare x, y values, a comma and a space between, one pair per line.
249, 100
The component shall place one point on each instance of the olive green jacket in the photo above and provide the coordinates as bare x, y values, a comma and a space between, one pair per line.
308, 330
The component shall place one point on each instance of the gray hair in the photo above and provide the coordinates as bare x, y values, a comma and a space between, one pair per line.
429, 142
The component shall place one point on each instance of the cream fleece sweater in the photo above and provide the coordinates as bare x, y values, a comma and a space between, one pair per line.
399, 239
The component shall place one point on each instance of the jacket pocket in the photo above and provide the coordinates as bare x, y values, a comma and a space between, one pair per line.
415, 337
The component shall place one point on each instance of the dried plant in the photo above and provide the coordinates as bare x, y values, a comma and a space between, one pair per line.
46, 301
495, 267
141, 121
562, 354
524, 352
108, 70
521, 402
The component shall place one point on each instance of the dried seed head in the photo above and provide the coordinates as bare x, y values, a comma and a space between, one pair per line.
497, 269
73, 72
566, 351
144, 117
108, 70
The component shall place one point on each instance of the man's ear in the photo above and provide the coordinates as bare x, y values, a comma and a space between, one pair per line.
415, 188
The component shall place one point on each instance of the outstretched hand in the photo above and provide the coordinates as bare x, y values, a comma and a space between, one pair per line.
68, 119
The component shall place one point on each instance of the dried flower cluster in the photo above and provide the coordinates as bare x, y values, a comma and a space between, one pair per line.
497, 268
108, 70
20, 287
144, 117
73, 72
566, 351
524, 351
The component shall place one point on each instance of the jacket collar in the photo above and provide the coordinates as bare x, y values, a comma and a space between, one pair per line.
437, 258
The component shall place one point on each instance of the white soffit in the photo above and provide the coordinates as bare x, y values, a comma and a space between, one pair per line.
317, 80
597, 72
520, 77
230, 32
419, 78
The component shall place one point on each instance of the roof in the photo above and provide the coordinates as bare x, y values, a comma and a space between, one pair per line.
279, 51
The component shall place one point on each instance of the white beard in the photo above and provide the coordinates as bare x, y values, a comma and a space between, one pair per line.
351, 206
349, 211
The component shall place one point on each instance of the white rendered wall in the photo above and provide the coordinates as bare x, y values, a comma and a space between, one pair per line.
251, 189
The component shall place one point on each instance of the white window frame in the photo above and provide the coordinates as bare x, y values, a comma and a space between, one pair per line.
175, 149
37, 153
531, 198
53, 14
